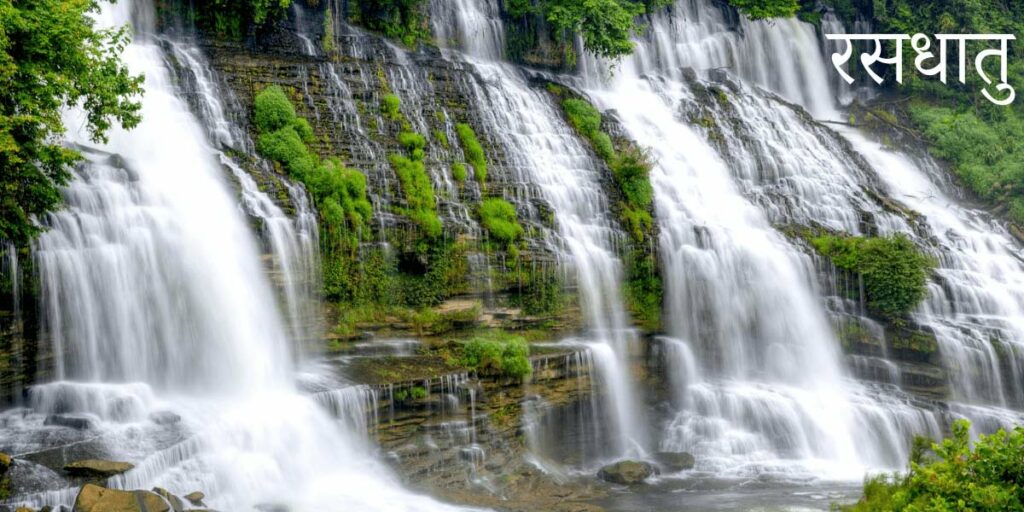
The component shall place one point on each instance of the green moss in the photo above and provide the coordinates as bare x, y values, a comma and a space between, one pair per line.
338, 192
473, 150
498, 217
402, 20
895, 272
328, 40
441, 138
418, 192
630, 167
497, 353
389, 107
459, 172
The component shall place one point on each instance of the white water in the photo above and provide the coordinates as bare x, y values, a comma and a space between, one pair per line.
774, 396
546, 152
777, 394
156, 300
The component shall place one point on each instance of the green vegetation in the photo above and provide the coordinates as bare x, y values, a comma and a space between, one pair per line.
380, 278
328, 40
473, 150
51, 57
762, 9
989, 478
894, 271
606, 26
389, 105
498, 217
232, 19
497, 353
404, 20
981, 141
630, 166
459, 172
339, 192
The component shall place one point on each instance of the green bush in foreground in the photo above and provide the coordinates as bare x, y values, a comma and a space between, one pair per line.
988, 478
894, 270
497, 353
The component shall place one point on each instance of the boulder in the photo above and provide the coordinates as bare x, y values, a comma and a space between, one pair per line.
93, 498
5, 463
176, 504
164, 418
675, 461
23, 509
96, 468
70, 421
195, 498
627, 472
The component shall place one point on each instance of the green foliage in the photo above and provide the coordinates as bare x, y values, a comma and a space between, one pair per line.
473, 150
441, 138
605, 25
987, 154
644, 290
498, 217
983, 142
497, 353
762, 9
412, 141
378, 278
895, 272
459, 172
234, 18
538, 293
389, 107
404, 20
630, 167
418, 192
339, 192
51, 57
988, 478
418, 392
328, 40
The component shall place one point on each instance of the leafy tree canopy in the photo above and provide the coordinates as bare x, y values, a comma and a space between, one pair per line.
52, 56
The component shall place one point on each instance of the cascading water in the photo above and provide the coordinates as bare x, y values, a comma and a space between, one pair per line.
547, 153
167, 333
774, 395
745, 295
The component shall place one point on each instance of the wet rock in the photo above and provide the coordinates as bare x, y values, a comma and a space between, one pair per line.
70, 421
93, 498
272, 507
195, 498
5, 463
675, 461
23, 509
96, 468
164, 418
627, 472
174, 501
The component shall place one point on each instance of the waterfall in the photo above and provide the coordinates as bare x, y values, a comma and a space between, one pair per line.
168, 340
746, 296
774, 396
546, 152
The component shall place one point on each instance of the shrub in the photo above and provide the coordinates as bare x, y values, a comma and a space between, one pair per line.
473, 150
418, 193
389, 105
338, 192
583, 116
412, 140
273, 110
418, 392
497, 353
989, 478
895, 272
498, 216
459, 172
